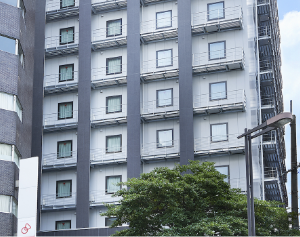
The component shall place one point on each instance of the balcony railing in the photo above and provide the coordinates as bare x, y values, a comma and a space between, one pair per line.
154, 150
52, 83
102, 156
271, 173
52, 122
268, 103
264, 32
99, 198
108, 5
53, 160
51, 202
228, 59
226, 144
148, 2
103, 116
217, 20
54, 5
231, 101
102, 77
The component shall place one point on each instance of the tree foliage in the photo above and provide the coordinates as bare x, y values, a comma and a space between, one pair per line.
192, 200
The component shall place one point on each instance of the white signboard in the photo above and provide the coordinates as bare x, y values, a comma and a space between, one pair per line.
28, 187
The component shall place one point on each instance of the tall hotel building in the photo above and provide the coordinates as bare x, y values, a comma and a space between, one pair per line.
124, 86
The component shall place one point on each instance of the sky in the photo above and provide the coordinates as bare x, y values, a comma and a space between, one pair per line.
289, 16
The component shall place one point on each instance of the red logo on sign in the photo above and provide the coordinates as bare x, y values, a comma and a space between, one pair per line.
25, 229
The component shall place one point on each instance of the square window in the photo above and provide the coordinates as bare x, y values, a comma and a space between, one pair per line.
219, 132
217, 50
224, 170
66, 72
109, 221
113, 65
65, 110
114, 28
165, 138
111, 184
215, 11
67, 35
63, 188
164, 97
218, 91
64, 149
164, 58
114, 144
113, 104
163, 19
67, 3
63, 225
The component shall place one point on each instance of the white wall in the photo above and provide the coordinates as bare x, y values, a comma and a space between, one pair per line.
48, 219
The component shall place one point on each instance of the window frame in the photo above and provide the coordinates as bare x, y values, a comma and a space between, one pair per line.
113, 96
106, 218
157, 58
70, 188
56, 222
107, 137
107, 60
163, 26
60, 33
66, 65
61, 7
157, 92
212, 135
71, 102
109, 176
58, 142
107, 22
213, 19
157, 138
228, 176
210, 99
222, 41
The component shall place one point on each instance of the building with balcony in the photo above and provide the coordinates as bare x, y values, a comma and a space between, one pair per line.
133, 85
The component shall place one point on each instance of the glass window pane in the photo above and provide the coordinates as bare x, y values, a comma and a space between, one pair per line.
65, 110
114, 27
66, 73
15, 207
165, 138
16, 157
216, 11
114, 66
63, 189
7, 45
110, 221
64, 149
164, 19
5, 152
114, 104
218, 132
164, 97
113, 144
5, 203
19, 109
6, 101
223, 170
67, 3
217, 50
67, 36
63, 225
164, 58
111, 184
218, 91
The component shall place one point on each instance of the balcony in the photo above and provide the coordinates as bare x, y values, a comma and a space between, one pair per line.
234, 60
265, 41
268, 104
100, 198
51, 202
53, 47
149, 2
235, 101
204, 146
54, 11
53, 161
52, 123
151, 111
266, 73
102, 157
101, 41
101, 116
52, 84
155, 151
150, 32
273, 189
99, 6
231, 19
152, 72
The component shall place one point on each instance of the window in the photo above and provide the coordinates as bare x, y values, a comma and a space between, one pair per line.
67, 3
66, 72
63, 225
63, 188
164, 58
224, 170
65, 110
8, 204
9, 153
10, 2
114, 144
113, 65
219, 132
163, 19
22, 7
111, 184
114, 28
217, 50
109, 221
165, 138
114, 104
67, 35
218, 91
21, 55
12, 103
64, 149
7, 44
164, 97
215, 11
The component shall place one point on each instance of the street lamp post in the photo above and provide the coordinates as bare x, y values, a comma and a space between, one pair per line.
276, 122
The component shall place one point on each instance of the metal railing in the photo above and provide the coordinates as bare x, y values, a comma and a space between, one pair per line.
101, 155
268, 102
53, 119
102, 73
218, 15
153, 25
264, 32
262, 2
52, 201
155, 149
160, 106
107, 112
53, 5
265, 66
53, 79
54, 159
271, 173
157, 65
101, 197
55, 41
104, 1
102, 33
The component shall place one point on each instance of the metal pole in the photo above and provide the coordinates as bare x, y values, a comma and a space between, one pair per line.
248, 185
251, 188
294, 178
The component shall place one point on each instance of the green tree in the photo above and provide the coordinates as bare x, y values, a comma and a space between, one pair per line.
192, 200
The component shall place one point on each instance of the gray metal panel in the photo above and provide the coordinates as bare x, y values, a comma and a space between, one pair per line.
8, 69
185, 82
83, 135
133, 89
7, 176
8, 224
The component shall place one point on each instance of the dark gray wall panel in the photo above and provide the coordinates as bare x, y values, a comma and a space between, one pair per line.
10, 19
185, 82
8, 224
133, 89
8, 72
83, 135
8, 121
7, 176
83, 232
